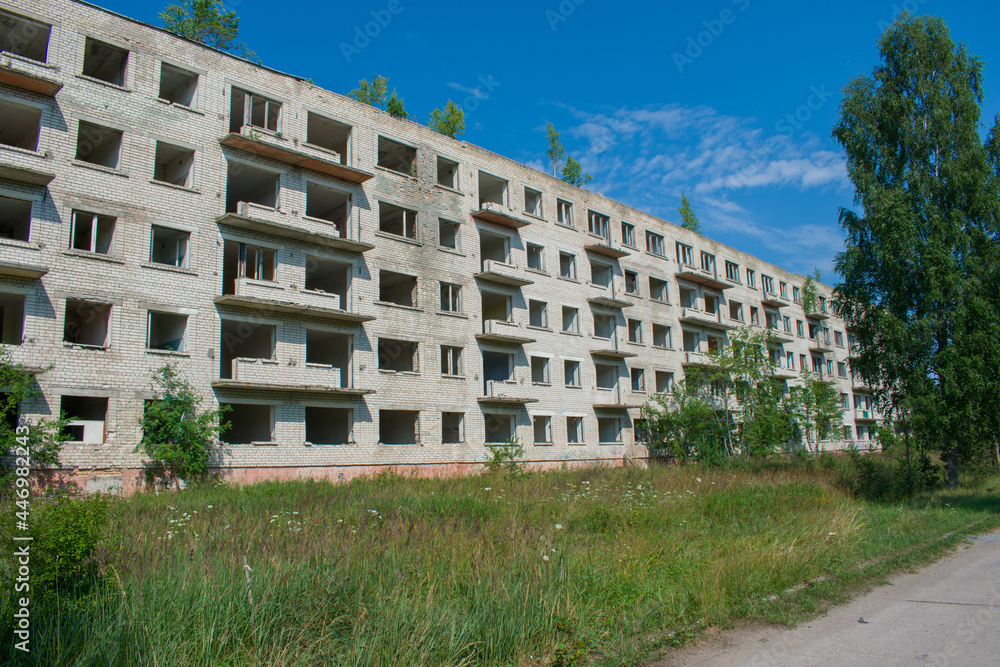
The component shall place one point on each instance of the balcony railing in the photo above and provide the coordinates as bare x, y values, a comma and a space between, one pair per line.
711, 320
501, 215
774, 300
508, 333
276, 222
605, 295
698, 359
505, 391
28, 74
503, 274
703, 276
269, 375
303, 156
862, 414
24, 166
265, 295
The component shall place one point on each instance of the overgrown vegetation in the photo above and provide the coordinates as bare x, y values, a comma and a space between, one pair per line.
207, 22
568, 168
688, 219
449, 121
376, 93
577, 567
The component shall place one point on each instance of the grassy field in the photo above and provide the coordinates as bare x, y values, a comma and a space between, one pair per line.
602, 566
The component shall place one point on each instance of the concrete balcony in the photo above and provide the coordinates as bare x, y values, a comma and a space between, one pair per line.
782, 373
507, 333
500, 215
269, 375
862, 415
28, 74
303, 156
613, 348
265, 295
777, 335
502, 274
21, 259
773, 300
506, 392
23, 166
697, 275
700, 317
698, 359
605, 296
820, 345
821, 314
275, 222
611, 399
607, 250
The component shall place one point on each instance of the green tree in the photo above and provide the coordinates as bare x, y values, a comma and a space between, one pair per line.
174, 433
684, 424
449, 121
919, 268
809, 298
556, 153
373, 93
44, 437
572, 173
690, 220
395, 106
816, 406
207, 22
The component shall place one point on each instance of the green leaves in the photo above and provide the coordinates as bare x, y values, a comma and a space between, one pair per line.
207, 22
449, 121
690, 220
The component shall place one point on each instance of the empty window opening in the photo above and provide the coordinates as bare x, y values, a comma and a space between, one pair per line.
451, 360
329, 134
711, 304
654, 244
714, 344
661, 335
178, 86
567, 266
494, 247
397, 157
245, 183
15, 218
329, 426
609, 429
451, 298
333, 206
542, 426
174, 165
564, 213
685, 254
736, 310
634, 331
12, 318
492, 190
24, 37
397, 220
604, 325
254, 110
571, 371
244, 340
570, 319
533, 202
497, 306
632, 283
638, 380
447, 173
20, 125
87, 323
767, 283
658, 289
87, 415
330, 278
398, 427
599, 225
754, 315
105, 62
664, 381
99, 145
538, 314
607, 376
452, 428
783, 289
536, 257
91, 232
499, 428
449, 235
249, 423
167, 331
690, 341
689, 298
332, 350
498, 366
574, 430
600, 274
628, 234
241, 260
169, 246
540, 370
399, 356
397, 288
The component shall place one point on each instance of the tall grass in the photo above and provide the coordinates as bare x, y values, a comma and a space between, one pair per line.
472, 571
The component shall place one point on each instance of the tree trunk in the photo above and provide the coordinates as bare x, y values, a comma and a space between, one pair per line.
951, 464
909, 461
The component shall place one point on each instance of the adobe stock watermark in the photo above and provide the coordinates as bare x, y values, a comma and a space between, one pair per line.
562, 12
363, 35
696, 44
22, 540
908, 6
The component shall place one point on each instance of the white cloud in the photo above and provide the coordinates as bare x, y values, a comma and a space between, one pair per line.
475, 92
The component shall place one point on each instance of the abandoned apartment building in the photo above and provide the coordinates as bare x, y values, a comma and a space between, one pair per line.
361, 291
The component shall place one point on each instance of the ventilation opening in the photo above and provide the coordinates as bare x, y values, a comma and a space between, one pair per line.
178, 86
492, 189
396, 156
607, 376
169, 246
244, 340
250, 184
397, 220
397, 288
87, 323
331, 349
255, 110
328, 426
333, 206
167, 331
15, 218
87, 417
498, 366
173, 164
99, 145
105, 62
494, 247
496, 306
452, 428
447, 173
249, 423
20, 125
12, 318
329, 134
330, 278
397, 427
399, 356
24, 37
609, 429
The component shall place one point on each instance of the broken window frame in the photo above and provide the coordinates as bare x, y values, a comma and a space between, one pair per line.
183, 259
95, 227
599, 225
451, 297
451, 361
564, 213
655, 244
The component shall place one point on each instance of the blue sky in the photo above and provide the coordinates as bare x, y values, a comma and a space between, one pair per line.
729, 101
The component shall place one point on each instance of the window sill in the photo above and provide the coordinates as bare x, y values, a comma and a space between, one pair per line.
30, 245
99, 167
454, 377
637, 343
84, 254
630, 247
574, 386
178, 105
543, 444
182, 188
609, 444
81, 346
541, 384
167, 267
106, 84
451, 251
569, 280
662, 347
386, 371
388, 304
572, 333
168, 353
396, 237
23, 151
541, 272
536, 217
565, 226
396, 173
660, 301
634, 295
537, 328
329, 444
448, 313
448, 189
